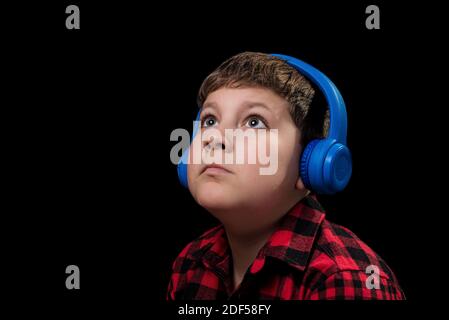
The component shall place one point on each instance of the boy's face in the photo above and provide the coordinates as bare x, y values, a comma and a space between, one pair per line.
238, 187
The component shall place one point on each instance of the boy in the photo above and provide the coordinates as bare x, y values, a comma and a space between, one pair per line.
273, 241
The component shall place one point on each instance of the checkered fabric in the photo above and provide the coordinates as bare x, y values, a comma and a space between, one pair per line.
306, 258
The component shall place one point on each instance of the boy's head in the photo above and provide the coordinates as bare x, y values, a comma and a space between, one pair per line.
255, 91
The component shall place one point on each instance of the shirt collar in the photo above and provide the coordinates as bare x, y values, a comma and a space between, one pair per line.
293, 239
291, 242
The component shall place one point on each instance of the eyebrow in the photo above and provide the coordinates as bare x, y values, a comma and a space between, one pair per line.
252, 104
249, 104
209, 105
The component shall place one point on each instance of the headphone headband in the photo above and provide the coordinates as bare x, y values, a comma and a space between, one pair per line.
337, 109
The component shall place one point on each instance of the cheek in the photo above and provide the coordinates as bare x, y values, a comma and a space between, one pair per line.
252, 184
288, 150
289, 157
248, 174
280, 151
193, 170
258, 149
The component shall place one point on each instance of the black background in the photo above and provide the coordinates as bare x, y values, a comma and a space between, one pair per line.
89, 112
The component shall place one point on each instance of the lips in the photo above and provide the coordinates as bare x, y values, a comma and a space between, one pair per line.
215, 169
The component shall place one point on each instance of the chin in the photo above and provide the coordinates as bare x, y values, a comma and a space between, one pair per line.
214, 196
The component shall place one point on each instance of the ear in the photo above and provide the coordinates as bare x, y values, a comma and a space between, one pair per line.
300, 185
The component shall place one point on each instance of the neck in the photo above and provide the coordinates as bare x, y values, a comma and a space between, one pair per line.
244, 250
246, 244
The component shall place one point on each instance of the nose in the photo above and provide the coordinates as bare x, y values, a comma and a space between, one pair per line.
216, 140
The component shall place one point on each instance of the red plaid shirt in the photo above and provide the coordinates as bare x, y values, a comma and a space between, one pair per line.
307, 257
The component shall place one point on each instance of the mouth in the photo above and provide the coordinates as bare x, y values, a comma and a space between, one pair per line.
215, 169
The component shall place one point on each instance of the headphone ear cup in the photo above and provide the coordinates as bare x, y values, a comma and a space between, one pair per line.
182, 169
326, 166
182, 164
337, 168
304, 164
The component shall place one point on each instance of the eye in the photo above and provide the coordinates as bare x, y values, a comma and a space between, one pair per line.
255, 123
208, 121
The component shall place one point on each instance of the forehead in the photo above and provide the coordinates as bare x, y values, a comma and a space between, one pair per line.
247, 97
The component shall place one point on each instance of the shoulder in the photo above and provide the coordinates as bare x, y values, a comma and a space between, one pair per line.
188, 262
196, 248
344, 266
346, 252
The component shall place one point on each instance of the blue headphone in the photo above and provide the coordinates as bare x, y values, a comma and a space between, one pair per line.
325, 166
